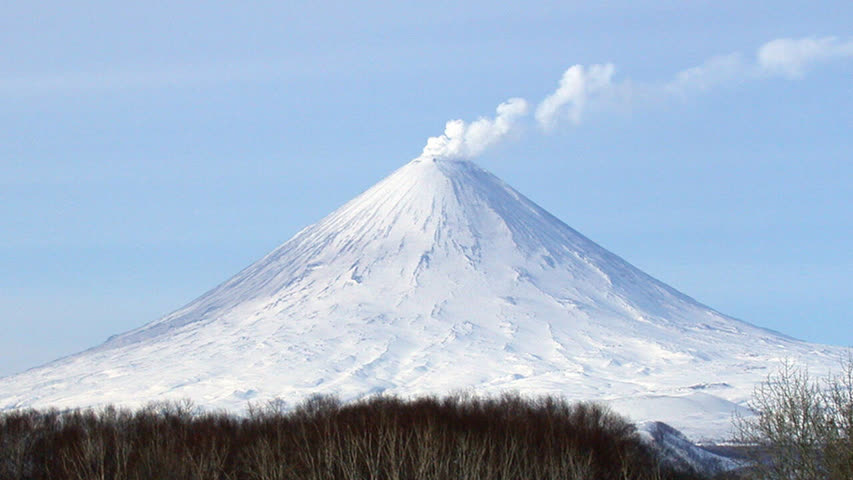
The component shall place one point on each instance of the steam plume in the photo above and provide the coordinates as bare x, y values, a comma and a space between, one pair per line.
791, 57
584, 88
461, 140
712, 73
578, 86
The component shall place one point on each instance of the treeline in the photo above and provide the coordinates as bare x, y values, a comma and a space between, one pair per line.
381, 438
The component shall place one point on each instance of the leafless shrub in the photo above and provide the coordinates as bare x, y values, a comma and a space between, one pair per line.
803, 426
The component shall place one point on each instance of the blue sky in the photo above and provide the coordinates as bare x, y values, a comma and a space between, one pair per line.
149, 150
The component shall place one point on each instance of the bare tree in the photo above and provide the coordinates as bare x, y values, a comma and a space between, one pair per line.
803, 426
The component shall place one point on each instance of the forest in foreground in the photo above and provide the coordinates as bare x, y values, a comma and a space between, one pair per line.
457, 437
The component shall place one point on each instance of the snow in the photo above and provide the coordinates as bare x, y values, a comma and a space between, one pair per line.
675, 448
440, 278
703, 417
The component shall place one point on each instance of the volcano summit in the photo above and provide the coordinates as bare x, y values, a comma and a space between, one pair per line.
439, 278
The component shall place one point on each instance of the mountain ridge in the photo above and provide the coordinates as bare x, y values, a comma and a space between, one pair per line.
460, 167
439, 277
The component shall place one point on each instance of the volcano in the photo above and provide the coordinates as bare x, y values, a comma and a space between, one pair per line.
440, 278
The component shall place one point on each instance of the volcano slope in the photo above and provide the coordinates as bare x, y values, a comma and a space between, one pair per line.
439, 278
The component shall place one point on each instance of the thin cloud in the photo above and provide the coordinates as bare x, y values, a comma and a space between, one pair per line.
138, 78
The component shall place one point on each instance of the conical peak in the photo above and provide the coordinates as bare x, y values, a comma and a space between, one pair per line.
432, 226
420, 190
453, 203
446, 176
440, 267
426, 167
427, 182
441, 161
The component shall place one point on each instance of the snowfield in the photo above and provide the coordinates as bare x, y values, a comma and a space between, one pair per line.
440, 278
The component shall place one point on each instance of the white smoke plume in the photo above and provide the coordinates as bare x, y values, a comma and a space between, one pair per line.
578, 86
791, 57
584, 88
784, 57
463, 140
714, 72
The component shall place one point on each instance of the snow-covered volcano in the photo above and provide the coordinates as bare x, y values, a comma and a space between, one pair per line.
439, 278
